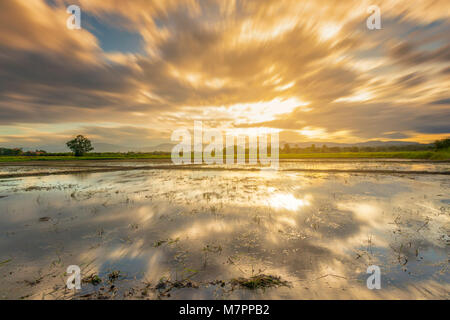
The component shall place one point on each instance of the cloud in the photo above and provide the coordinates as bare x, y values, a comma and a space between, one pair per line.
224, 62
368, 120
131, 137
442, 101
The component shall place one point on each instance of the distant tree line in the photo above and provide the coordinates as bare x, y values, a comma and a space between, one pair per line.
325, 149
81, 145
442, 144
20, 152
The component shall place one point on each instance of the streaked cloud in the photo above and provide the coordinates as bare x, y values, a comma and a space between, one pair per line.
309, 69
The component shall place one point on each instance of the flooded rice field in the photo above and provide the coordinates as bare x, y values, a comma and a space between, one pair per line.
307, 231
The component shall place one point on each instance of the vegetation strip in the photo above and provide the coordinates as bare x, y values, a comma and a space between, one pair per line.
413, 155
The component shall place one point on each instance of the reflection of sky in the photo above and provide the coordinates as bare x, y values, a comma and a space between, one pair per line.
312, 230
401, 273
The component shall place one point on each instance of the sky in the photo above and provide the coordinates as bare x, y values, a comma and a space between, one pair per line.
137, 70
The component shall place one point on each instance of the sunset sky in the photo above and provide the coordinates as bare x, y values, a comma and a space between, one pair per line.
139, 69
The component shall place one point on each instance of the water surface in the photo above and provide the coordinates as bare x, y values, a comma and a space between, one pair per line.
318, 231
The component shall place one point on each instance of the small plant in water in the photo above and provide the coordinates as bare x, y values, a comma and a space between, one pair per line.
92, 279
114, 275
260, 282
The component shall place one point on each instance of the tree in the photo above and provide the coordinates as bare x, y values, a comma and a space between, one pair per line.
287, 148
10, 152
80, 145
442, 144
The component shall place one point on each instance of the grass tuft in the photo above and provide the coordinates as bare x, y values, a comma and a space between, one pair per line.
92, 279
261, 281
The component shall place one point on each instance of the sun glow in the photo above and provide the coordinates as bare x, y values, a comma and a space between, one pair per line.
285, 87
329, 31
286, 201
312, 132
264, 111
262, 32
251, 132
249, 113
361, 96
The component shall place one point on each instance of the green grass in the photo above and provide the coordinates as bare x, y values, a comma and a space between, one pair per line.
108, 156
441, 155
426, 155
